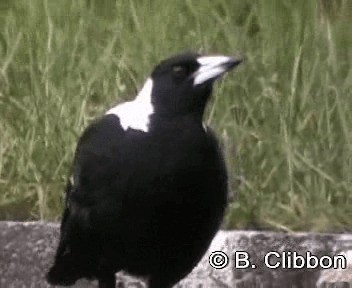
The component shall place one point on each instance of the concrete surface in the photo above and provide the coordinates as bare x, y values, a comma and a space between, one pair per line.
27, 249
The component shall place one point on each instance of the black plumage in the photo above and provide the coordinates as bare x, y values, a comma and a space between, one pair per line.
149, 184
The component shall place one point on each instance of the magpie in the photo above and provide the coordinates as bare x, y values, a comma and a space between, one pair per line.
149, 184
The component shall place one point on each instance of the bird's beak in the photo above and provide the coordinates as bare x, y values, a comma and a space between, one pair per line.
213, 67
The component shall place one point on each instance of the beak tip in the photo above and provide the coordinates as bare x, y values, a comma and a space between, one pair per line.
235, 61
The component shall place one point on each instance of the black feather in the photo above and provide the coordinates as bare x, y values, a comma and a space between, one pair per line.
148, 202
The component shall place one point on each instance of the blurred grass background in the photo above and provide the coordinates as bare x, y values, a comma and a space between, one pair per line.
284, 117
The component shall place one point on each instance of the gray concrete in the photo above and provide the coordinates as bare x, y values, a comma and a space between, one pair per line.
27, 249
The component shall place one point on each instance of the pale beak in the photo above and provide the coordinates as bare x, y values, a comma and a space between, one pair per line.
213, 67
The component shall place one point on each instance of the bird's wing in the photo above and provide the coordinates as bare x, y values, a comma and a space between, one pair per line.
96, 172
92, 200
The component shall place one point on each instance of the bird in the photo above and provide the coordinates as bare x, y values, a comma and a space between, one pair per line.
149, 186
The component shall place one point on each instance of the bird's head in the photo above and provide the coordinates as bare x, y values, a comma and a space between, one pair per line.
182, 84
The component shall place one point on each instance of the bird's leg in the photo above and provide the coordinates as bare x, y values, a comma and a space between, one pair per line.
107, 281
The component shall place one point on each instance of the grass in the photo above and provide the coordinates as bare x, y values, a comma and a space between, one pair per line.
284, 116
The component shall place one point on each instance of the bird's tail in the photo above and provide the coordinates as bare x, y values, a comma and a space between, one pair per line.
64, 272
75, 253
73, 260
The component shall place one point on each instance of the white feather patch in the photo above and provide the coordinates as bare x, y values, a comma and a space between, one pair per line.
136, 114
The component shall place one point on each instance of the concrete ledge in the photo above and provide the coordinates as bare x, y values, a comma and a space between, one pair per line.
27, 249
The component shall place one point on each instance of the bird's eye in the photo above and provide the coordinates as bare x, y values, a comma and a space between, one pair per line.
179, 71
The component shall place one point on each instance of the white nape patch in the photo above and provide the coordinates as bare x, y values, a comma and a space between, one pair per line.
135, 114
210, 67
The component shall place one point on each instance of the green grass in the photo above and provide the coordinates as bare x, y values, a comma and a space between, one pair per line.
284, 116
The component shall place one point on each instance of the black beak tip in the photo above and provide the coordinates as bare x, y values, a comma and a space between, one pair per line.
235, 61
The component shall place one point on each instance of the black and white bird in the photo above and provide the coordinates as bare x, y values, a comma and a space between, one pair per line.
149, 184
